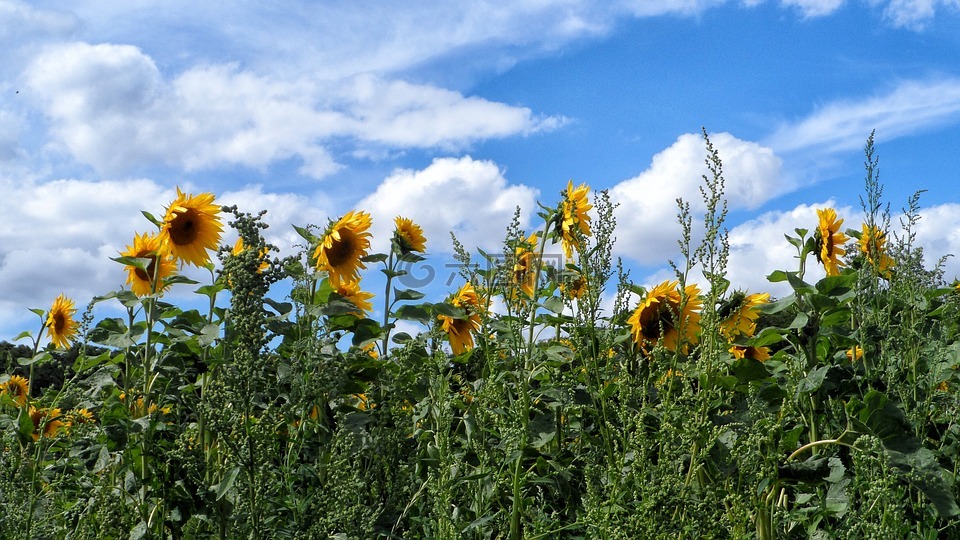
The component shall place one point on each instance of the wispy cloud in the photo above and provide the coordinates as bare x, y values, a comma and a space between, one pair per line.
909, 108
916, 14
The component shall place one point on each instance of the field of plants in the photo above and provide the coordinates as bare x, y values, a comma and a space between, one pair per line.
522, 409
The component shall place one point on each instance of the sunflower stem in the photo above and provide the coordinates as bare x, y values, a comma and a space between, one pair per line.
391, 263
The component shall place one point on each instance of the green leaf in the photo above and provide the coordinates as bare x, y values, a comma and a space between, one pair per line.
307, 235
84, 362
228, 480
406, 294
749, 369
374, 258
39, 357
414, 312
151, 218
813, 381
777, 275
21, 335
554, 304
778, 305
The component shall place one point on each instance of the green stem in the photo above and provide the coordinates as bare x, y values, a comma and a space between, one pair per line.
386, 304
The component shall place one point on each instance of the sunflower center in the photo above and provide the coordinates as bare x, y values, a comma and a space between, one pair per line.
59, 322
342, 251
183, 228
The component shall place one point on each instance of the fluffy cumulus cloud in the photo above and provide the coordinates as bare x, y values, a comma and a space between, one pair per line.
111, 107
915, 14
938, 233
647, 228
911, 106
468, 197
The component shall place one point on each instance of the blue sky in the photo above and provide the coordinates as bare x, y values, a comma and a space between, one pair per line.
455, 114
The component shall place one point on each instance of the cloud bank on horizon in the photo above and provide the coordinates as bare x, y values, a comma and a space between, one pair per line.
106, 108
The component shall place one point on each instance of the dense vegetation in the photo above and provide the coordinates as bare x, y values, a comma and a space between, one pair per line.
523, 409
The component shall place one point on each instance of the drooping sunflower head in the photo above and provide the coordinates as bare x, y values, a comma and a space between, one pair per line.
524, 269
46, 422
161, 266
408, 236
459, 330
342, 247
60, 324
668, 316
350, 291
873, 247
191, 228
739, 313
575, 287
830, 241
574, 219
17, 388
80, 416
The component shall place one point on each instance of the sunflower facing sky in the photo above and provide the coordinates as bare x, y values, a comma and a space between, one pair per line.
17, 388
191, 228
830, 241
663, 314
148, 246
738, 315
60, 324
873, 244
342, 247
459, 330
575, 219
408, 236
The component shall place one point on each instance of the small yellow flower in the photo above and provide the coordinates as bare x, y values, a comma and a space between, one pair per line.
342, 247
943, 386
350, 291
830, 241
739, 314
873, 246
855, 353
148, 246
239, 248
757, 353
408, 236
574, 219
669, 375
459, 330
191, 228
364, 403
60, 324
17, 387
525, 268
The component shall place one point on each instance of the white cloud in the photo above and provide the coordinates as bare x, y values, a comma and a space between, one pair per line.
911, 107
283, 211
469, 197
938, 233
111, 107
814, 8
915, 14
647, 228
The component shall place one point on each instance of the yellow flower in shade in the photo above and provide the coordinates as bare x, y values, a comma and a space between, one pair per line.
350, 291
873, 246
148, 246
364, 403
525, 267
371, 350
46, 422
668, 376
663, 315
459, 330
408, 236
943, 386
855, 353
757, 353
342, 247
574, 288
830, 241
738, 315
575, 219
60, 324
17, 388
80, 416
239, 248
191, 228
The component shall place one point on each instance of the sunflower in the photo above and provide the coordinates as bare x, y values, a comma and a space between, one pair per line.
757, 353
524, 269
191, 227
459, 330
408, 236
350, 291
574, 220
46, 422
738, 315
342, 247
239, 248
574, 288
18, 387
148, 246
60, 324
663, 314
872, 245
855, 353
81, 416
829, 241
